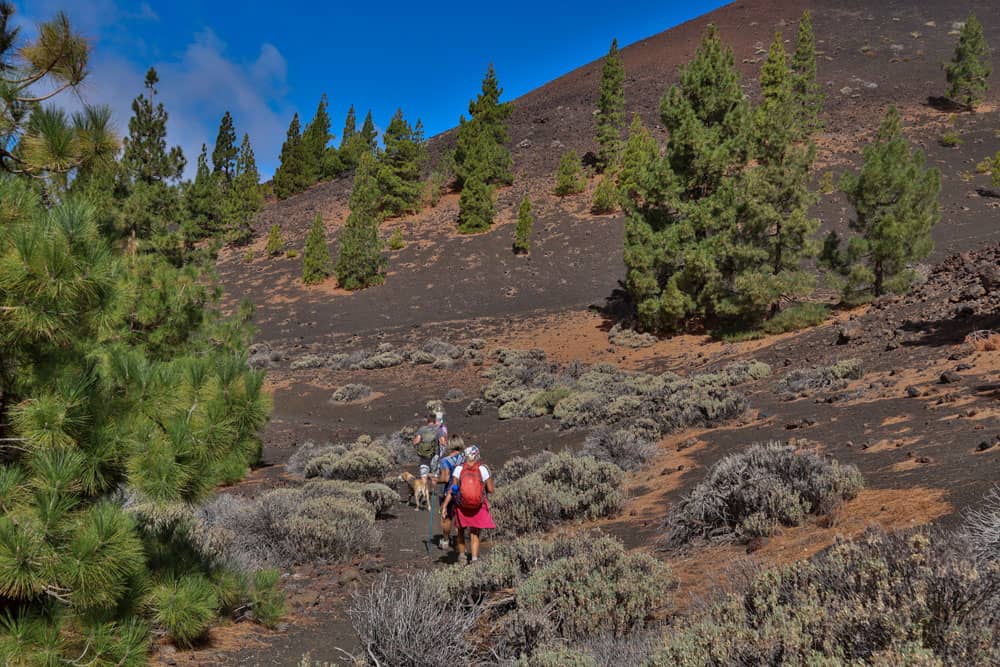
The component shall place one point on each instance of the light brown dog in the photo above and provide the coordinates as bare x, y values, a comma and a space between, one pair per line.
418, 490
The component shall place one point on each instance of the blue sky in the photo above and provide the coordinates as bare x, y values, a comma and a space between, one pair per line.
265, 60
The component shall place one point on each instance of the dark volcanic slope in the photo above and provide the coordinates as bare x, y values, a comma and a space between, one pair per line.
871, 54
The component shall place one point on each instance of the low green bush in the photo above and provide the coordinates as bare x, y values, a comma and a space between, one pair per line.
794, 318
185, 607
605, 197
267, 601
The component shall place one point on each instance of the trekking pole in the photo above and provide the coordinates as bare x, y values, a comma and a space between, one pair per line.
430, 523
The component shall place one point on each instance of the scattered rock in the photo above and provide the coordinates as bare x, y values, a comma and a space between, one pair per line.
454, 394
847, 332
950, 377
984, 445
912, 391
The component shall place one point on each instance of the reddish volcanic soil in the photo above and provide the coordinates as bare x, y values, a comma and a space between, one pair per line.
918, 453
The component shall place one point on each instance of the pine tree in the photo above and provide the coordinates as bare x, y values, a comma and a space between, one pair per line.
895, 198
244, 197
398, 168
475, 206
350, 127
605, 196
639, 178
369, 134
204, 202
481, 144
361, 263
778, 232
292, 174
569, 178
611, 108
275, 242
970, 66
353, 143
806, 91
522, 232
315, 140
316, 255
224, 155
682, 239
146, 157
151, 205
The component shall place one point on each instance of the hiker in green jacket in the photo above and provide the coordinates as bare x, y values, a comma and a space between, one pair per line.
426, 443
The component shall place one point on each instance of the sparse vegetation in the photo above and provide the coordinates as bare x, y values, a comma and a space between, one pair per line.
523, 385
569, 178
752, 493
969, 69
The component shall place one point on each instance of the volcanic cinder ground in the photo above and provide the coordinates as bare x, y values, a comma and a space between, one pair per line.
919, 454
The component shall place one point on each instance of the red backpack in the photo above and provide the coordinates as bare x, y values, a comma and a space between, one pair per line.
471, 488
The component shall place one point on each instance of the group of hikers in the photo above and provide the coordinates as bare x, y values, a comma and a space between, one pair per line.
463, 483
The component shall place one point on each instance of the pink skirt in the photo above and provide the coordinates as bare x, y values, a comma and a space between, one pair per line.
479, 519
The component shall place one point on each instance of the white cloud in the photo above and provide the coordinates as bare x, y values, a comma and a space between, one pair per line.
196, 87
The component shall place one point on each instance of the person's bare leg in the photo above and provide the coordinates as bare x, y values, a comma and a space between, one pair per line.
460, 547
474, 538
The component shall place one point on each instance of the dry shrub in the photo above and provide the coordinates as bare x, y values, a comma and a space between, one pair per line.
883, 599
802, 382
320, 521
751, 493
363, 460
984, 340
981, 530
351, 392
565, 487
628, 448
410, 621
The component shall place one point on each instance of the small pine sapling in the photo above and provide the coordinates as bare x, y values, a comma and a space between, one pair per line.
605, 197
275, 242
569, 178
522, 233
316, 256
970, 66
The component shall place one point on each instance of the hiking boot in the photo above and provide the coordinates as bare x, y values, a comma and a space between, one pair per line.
443, 543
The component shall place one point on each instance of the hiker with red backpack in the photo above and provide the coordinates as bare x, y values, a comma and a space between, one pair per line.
470, 482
